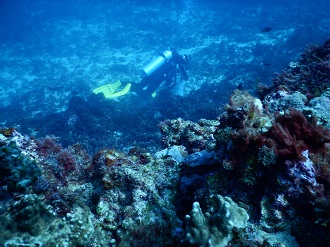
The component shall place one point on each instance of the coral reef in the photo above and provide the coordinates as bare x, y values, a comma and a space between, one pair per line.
283, 100
136, 205
226, 224
194, 136
241, 128
68, 199
320, 107
214, 228
18, 170
57, 214
31, 222
274, 165
309, 76
293, 134
278, 164
272, 157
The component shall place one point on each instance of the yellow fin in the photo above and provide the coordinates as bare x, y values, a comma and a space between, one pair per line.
120, 93
107, 89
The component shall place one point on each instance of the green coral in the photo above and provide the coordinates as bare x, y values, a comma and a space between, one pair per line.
18, 171
267, 156
250, 175
31, 222
214, 228
224, 135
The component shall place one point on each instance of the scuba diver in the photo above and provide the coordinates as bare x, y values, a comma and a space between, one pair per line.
163, 68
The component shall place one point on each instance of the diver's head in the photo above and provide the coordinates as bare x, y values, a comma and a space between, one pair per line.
173, 49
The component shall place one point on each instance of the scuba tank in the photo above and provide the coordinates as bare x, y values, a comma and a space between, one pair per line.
157, 62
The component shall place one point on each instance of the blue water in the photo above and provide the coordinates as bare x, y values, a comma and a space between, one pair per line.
53, 53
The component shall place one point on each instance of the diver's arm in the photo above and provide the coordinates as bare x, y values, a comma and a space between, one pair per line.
180, 62
183, 72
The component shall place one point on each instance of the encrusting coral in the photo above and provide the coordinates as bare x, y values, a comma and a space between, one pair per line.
214, 228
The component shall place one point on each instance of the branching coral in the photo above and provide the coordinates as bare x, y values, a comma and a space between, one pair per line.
293, 134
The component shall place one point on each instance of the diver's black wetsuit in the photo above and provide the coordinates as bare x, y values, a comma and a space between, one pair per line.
167, 72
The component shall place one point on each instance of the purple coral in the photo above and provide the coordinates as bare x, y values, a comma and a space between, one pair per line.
304, 190
67, 160
48, 145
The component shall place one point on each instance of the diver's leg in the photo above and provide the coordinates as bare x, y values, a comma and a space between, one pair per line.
138, 87
152, 87
149, 84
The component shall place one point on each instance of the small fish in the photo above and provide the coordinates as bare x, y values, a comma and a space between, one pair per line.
266, 29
